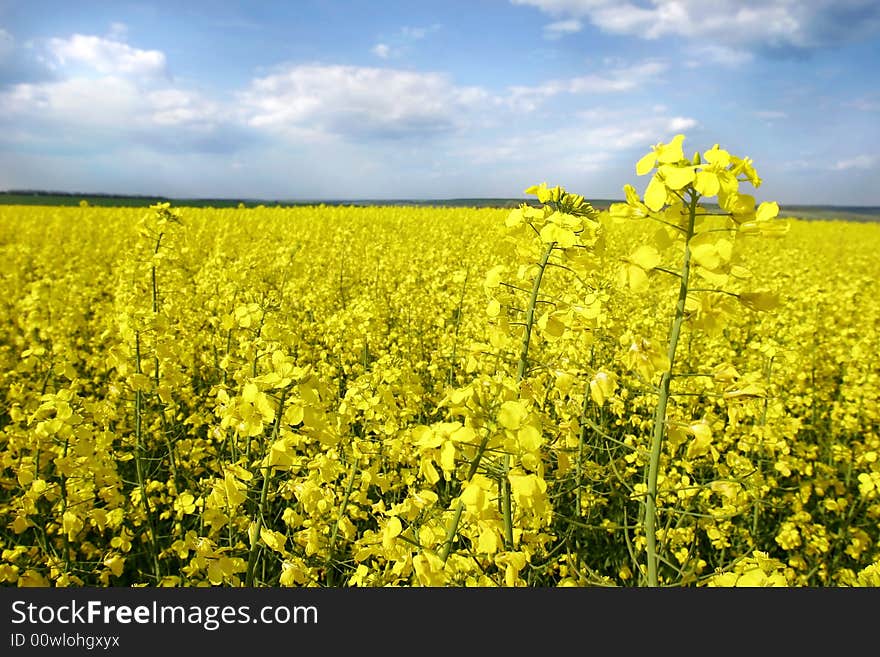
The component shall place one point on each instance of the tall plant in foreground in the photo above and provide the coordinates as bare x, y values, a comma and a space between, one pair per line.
143, 325
562, 234
698, 242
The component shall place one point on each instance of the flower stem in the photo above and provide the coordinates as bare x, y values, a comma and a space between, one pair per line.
264, 494
662, 403
139, 469
522, 368
331, 549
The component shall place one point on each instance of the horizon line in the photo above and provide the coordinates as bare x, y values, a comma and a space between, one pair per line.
341, 200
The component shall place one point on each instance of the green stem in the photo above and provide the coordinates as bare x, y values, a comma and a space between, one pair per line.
582, 436
456, 516
522, 368
756, 512
507, 505
458, 312
153, 276
63, 488
331, 550
138, 451
264, 494
451, 530
662, 403
523, 364
156, 372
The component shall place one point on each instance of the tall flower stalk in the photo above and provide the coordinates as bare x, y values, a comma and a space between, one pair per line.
565, 225
672, 198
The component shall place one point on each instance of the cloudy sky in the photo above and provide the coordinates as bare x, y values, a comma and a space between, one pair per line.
434, 99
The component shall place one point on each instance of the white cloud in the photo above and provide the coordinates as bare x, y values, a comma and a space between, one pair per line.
109, 103
107, 95
106, 90
617, 80
559, 29
381, 50
105, 56
733, 24
401, 42
729, 56
599, 134
858, 162
592, 153
563, 6
118, 31
76, 101
353, 101
680, 124
170, 106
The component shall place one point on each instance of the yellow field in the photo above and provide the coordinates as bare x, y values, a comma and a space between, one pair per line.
340, 396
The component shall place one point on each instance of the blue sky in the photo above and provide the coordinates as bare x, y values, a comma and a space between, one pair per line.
433, 100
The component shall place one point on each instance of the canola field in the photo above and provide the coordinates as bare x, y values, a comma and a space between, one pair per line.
401, 396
